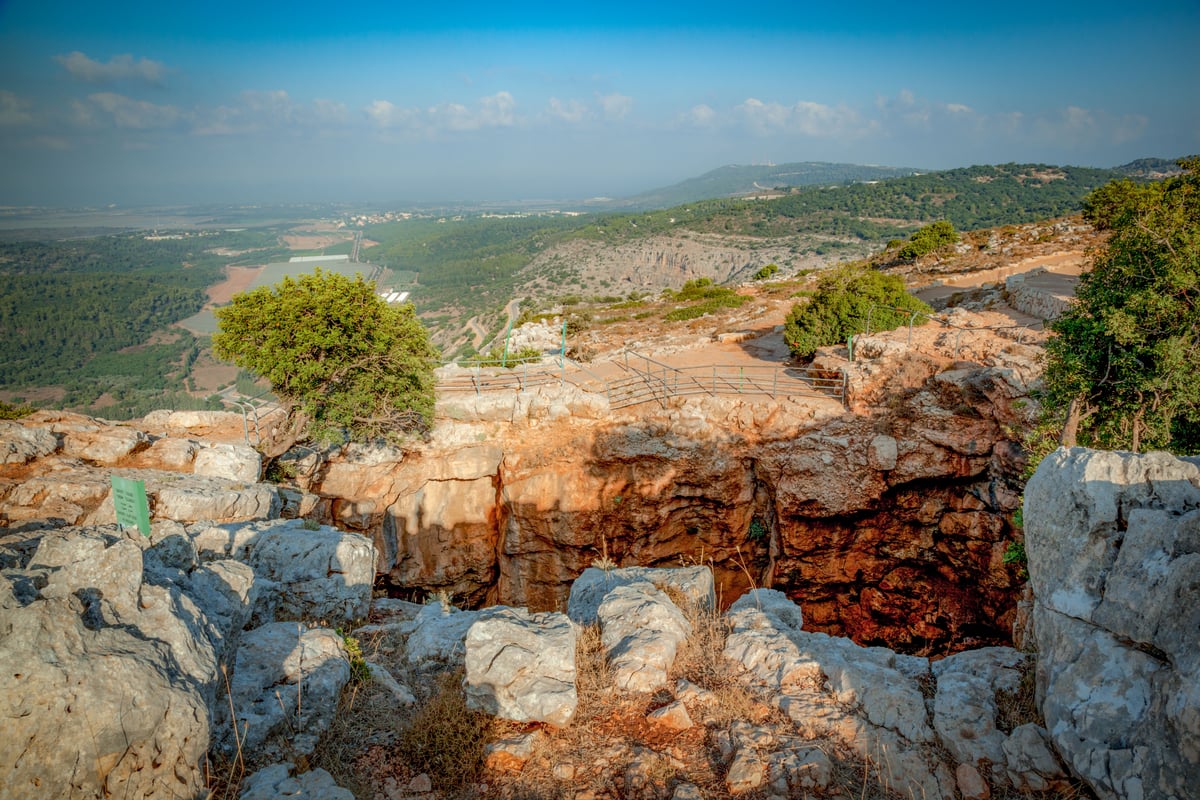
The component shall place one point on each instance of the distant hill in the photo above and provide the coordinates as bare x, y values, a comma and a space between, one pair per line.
738, 179
1150, 168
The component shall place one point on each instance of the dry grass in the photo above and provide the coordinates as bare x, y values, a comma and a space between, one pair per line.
1019, 707
444, 738
859, 778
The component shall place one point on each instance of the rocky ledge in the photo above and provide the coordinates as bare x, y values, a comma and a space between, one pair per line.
128, 658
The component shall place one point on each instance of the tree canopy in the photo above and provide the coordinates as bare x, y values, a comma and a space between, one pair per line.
1123, 369
928, 239
840, 307
351, 364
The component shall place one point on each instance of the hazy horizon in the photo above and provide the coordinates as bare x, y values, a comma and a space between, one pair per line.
137, 104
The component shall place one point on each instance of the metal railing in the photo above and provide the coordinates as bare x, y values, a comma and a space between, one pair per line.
254, 411
648, 380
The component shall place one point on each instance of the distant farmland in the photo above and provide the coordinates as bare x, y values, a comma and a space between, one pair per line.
205, 324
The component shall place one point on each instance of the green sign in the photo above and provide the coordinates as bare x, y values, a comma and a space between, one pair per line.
129, 500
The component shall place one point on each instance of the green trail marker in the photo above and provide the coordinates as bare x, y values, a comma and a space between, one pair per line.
129, 501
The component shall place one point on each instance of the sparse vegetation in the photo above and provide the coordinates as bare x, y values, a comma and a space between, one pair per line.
444, 738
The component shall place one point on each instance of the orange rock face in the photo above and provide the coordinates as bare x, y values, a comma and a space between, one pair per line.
886, 518
888, 526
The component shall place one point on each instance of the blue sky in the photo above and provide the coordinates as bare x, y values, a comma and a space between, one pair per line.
148, 103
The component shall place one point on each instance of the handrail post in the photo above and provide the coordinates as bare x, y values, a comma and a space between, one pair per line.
774, 382
912, 316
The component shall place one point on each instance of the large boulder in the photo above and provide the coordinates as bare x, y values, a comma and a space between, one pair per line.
285, 686
20, 444
867, 699
694, 585
111, 654
965, 708
1113, 541
641, 630
315, 574
235, 462
521, 666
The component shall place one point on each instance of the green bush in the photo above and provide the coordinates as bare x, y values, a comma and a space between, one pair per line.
928, 239
730, 300
841, 304
11, 411
766, 272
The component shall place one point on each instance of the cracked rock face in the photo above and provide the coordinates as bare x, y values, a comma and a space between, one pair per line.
111, 655
1114, 557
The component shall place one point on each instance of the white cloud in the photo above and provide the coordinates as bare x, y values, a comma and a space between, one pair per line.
1082, 127
14, 110
125, 112
571, 111
120, 67
805, 117
493, 111
496, 111
615, 106
700, 116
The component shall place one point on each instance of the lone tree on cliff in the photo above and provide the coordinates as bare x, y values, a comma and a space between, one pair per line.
1123, 370
344, 362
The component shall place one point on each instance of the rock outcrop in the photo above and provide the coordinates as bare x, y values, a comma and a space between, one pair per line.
110, 661
1113, 541
888, 525
118, 647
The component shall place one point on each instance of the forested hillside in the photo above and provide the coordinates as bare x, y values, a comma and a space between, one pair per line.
81, 313
737, 179
93, 316
473, 263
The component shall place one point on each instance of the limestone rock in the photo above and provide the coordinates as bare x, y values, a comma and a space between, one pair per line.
438, 636
177, 455
673, 716
103, 444
326, 574
381, 675
110, 662
799, 771
746, 772
693, 584
971, 785
1031, 762
866, 698
281, 780
1114, 560
234, 462
521, 666
964, 708
20, 444
286, 680
641, 630
511, 753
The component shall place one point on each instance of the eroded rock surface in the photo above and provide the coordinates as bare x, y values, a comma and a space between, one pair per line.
1114, 557
109, 662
